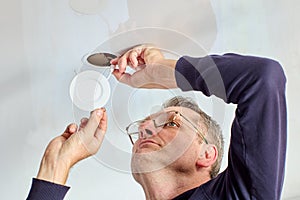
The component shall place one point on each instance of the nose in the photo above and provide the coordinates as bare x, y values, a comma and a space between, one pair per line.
147, 129
145, 133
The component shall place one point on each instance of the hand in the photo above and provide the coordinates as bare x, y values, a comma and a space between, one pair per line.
152, 70
72, 146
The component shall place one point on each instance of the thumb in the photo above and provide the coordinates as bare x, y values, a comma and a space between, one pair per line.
123, 77
117, 74
93, 122
137, 80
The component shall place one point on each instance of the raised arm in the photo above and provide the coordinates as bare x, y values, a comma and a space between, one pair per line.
65, 151
258, 136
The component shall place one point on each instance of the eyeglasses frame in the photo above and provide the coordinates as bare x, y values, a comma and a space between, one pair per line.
177, 113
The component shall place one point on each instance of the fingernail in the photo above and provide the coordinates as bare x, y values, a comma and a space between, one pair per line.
112, 60
99, 113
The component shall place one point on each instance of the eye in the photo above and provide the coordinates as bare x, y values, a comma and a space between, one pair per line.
172, 124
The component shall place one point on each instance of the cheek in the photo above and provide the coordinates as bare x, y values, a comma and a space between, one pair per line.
192, 153
185, 138
179, 144
168, 138
171, 136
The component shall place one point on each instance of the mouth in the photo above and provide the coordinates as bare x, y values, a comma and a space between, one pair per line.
148, 142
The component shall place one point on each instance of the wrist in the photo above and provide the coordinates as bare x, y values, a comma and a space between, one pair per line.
168, 69
53, 171
169, 62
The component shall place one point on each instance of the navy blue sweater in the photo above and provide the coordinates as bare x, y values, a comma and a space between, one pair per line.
257, 151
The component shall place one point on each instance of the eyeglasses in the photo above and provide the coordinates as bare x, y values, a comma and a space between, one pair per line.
157, 122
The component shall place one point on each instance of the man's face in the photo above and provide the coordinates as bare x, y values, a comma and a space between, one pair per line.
176, 141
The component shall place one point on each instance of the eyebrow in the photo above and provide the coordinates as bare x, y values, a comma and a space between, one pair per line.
158, 113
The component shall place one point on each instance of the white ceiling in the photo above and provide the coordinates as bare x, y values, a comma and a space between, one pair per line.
43, 41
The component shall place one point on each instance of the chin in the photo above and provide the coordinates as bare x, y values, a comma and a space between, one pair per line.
148, 160
146, 150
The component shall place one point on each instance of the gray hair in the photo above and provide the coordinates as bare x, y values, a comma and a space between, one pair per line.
214, 133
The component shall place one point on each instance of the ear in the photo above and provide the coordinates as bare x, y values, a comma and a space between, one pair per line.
208, 156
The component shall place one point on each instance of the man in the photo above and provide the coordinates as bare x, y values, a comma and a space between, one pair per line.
178, 150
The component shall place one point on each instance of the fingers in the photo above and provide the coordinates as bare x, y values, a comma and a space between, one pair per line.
91, 125
103, 121
117, 74
141, 61
137, 80
71, 128
132, 58
99, 134
125, 78
114, 61
83, 123
121, 62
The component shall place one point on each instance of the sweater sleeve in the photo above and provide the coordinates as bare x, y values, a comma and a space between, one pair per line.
44, 190
257, 149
